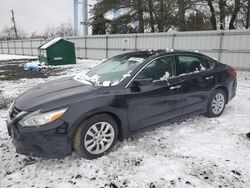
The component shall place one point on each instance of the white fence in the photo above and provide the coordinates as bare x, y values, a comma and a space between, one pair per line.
230, 47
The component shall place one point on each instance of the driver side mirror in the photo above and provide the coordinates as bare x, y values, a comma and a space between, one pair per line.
135, 85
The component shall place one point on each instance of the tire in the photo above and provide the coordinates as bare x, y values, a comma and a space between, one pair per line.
216, 104
89, 137
248, 135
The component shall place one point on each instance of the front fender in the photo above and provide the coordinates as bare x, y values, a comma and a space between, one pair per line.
85, 109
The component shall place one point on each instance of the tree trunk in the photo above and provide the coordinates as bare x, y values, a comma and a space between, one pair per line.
151, 17
213, 17
161, 16
140, 16
157, 19
181, 14
222, 5
234, 14
248, 15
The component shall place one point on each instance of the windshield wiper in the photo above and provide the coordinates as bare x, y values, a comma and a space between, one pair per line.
92, 83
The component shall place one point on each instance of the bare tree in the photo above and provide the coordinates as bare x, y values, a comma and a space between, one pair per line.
248, 15
8, 33
181, 14
234, 13
21, 33
213, 14
151, 16
62, 30
139, 7
222, 6
49, 32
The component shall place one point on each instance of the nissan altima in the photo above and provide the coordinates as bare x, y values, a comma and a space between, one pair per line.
125, 94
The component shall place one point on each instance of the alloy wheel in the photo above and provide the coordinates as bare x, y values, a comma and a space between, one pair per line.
218, 103
99, 137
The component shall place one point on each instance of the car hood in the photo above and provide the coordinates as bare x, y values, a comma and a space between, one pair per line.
53, 94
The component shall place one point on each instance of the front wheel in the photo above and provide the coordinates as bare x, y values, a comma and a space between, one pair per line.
216, 104
96, 136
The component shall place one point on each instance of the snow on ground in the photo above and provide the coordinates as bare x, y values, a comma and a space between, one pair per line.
7, 57
197, 152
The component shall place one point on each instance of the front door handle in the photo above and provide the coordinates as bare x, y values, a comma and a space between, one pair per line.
175, 87
209, 77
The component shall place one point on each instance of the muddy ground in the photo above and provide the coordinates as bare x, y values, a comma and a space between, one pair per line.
14, 70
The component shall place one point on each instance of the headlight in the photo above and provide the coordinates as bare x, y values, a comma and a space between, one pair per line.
38, 119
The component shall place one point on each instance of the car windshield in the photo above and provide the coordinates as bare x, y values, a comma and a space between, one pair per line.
112, 71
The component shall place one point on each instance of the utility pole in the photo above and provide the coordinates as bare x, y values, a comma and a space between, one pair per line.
84, 21
85, 17
75, 10
14, 23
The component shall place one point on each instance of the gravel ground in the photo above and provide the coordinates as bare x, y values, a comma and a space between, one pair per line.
197, 152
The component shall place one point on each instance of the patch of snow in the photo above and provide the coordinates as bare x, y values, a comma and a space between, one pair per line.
165, 76
94, 79
202, 67
106, 83
196, 152
8, 57
128, 74
50, 43
137, 59
115, 83
82, 78
86, 79
33, 63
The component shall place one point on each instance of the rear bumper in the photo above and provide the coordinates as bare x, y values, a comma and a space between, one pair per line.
50, 144
232, 92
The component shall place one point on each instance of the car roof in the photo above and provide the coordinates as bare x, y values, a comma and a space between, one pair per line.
149, 53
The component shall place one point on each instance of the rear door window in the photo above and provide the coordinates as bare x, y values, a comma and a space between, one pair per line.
191, 64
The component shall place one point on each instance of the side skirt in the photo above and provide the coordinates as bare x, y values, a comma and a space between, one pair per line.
168, 122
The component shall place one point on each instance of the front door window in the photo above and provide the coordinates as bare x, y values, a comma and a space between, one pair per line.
160, 69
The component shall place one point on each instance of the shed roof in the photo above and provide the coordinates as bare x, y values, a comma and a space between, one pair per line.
50, 43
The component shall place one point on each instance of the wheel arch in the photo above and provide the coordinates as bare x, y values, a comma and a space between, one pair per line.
225, 89
118, 117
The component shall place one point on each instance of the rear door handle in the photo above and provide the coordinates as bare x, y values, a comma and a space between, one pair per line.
175, 87
209, 77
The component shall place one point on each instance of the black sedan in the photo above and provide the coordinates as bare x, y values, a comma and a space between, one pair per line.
121, 96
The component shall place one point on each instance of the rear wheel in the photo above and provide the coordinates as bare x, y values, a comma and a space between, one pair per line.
96, 136
217, 103
248, 135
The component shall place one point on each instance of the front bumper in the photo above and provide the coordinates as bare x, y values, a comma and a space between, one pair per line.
53, 143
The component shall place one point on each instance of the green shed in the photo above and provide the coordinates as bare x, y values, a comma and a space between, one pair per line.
57, 52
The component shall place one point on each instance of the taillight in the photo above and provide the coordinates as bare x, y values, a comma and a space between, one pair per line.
232, 72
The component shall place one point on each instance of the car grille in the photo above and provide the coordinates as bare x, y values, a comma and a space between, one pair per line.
14, 112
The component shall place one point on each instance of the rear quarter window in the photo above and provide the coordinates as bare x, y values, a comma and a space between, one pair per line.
209, 64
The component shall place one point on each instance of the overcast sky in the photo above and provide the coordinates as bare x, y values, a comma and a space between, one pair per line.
35, 15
